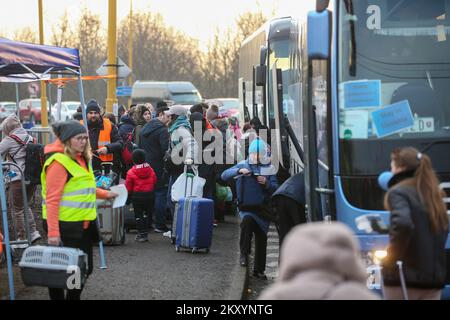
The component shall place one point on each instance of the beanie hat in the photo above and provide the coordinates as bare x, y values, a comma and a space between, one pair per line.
68, 129
258, 146
92, 106
212, 113
138, 156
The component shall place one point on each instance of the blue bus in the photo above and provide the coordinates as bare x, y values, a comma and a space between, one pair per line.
326, 76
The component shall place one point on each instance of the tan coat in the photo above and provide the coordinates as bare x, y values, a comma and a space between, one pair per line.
320, 262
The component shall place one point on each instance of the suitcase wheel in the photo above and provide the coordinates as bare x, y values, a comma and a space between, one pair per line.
207, 250
177, 249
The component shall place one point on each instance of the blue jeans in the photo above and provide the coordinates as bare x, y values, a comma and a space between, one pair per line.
160, 207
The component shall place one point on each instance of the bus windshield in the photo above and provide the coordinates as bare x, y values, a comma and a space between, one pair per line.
394, 80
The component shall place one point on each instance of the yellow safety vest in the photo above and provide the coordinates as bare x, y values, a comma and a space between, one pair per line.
79, 195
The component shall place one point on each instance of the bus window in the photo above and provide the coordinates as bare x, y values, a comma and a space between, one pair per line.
392, 52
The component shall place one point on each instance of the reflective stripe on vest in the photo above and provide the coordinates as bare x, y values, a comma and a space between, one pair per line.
104, 139
78, 199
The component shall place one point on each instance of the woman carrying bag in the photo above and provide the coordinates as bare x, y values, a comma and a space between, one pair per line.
69, 193
418, 228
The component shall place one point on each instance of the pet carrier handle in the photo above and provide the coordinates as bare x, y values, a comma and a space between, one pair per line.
402, 280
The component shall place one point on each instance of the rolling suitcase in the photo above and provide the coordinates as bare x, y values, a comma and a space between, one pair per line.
111, 223
194, 224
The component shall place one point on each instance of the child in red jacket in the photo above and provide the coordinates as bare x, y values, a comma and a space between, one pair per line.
140, 183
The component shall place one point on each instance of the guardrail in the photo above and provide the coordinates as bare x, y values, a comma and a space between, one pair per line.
42, 135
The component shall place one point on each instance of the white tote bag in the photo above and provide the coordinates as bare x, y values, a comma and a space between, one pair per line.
188, 185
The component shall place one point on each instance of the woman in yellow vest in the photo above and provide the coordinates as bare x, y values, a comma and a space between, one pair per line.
68, 195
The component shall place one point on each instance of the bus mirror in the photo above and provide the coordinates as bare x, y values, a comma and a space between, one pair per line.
260, 75
322, 5
263, 55
318, 35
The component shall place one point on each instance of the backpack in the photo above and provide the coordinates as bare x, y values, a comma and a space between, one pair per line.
34, 159
128, 147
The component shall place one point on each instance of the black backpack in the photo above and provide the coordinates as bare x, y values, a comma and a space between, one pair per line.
34, 159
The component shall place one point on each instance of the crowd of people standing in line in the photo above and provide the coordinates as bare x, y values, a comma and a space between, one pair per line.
418, 222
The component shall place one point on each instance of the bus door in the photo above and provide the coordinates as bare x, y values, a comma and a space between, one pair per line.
280, 145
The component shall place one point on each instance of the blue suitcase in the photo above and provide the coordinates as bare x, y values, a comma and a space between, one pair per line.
194, 224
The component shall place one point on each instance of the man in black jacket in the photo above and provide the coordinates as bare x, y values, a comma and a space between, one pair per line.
154, 140
110, 143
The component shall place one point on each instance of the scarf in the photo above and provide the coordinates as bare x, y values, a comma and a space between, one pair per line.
181, 121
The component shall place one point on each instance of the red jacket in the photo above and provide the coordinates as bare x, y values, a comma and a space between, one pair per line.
141, 178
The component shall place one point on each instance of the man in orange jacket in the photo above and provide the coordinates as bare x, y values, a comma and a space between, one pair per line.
104, 137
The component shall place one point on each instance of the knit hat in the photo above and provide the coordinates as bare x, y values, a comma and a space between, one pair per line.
68, 129
258, 146
212, 113
138, 156
92, 106
11, 123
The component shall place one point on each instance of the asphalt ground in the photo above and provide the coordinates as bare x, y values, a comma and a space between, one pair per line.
155, 271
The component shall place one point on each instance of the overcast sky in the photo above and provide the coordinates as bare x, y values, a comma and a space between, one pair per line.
197, 18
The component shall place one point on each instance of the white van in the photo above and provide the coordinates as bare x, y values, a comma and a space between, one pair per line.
177, 92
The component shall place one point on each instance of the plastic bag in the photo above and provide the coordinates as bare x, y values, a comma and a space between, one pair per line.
187, 185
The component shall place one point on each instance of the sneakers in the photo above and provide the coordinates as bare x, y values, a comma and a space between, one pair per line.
215, 224
168, 234
35, 236
259, 275
141, 238
243, 260
162, 230
20, 245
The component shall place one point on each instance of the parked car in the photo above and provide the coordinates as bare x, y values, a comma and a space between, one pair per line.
8, 107
30, 110
227, 106
68, 108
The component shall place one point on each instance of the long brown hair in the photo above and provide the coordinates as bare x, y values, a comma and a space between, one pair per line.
426, 182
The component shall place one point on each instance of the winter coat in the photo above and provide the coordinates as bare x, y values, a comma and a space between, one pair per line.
141, 180
183, 144
126, 126
320, 262
249, 191
412, 241
293, 188
154, 140
115, 147
12, 148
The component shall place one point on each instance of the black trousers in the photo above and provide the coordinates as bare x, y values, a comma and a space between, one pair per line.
249, 227
74, 236
290, 213
143, 215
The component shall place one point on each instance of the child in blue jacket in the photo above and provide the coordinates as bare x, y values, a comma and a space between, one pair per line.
255, 183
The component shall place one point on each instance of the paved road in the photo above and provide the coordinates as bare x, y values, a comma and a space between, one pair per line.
256, 286
155, 271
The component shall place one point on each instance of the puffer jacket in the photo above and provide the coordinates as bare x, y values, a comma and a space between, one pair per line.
141, 178
320, 262
412, 241
293, 188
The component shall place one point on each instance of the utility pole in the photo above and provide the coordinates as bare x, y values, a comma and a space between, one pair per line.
112, 55
130, 50
44, 110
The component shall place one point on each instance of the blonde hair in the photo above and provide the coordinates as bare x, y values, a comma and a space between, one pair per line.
87, 153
